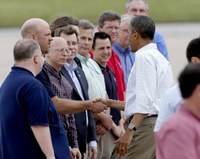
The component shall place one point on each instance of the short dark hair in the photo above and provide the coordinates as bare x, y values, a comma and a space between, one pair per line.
144, 26
189, 79
193, 49
69, 30
24, 49
100, 35
63, 21
108, 16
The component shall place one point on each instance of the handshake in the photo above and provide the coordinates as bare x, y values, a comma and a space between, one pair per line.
98, 105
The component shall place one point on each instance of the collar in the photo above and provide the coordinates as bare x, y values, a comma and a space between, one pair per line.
148, 46
70, 66
83, 59
104, 68
21, 69
122, 50
51, 70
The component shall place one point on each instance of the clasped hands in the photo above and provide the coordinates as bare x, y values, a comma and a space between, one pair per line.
98, 105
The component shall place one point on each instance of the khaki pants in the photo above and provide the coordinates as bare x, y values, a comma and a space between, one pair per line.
142, 145
106, 147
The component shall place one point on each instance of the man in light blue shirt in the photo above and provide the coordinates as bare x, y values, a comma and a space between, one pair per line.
122, 49
172, 98
138, 8
159, 40
170, 104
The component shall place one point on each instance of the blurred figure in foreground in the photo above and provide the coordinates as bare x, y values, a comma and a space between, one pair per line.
179, 136
172, 99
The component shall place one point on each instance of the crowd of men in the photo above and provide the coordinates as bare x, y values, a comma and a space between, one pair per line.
78, 92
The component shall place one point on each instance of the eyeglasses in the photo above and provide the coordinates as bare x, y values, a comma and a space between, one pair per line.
112, 28
63, 51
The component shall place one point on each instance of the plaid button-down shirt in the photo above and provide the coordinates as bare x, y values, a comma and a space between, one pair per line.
63, 89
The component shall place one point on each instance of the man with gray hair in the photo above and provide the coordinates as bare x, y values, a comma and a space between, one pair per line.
94, 76
141, 7
29, 124
90, 67
150, 77
122, 48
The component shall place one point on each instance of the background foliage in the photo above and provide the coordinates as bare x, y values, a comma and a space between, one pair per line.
15, 12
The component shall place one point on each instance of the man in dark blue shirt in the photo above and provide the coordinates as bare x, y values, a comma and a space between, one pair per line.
102, 53
29, 124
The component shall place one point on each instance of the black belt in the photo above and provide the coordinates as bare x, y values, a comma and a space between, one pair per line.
154, 115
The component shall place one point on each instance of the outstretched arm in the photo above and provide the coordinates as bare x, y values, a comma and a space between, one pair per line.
115, 104
66, 106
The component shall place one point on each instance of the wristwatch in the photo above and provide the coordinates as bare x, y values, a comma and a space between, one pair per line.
132, 127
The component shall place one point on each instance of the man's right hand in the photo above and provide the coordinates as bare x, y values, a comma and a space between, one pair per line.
97, 107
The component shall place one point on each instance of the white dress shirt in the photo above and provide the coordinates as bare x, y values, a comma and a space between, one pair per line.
71, 68
150, 77
94, 76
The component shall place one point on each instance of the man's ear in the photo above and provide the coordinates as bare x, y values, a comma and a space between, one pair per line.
195, 59
36, 59
136, 34
33, 37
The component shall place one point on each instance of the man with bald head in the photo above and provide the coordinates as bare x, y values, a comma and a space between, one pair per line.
39, 30
29, 125
85, 124
55, 60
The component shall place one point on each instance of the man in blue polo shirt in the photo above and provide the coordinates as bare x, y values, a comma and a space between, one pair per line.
29, 125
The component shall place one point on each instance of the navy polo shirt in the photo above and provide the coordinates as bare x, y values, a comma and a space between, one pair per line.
24, 102
111, 89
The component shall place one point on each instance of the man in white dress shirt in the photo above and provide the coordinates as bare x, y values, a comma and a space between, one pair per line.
150, 77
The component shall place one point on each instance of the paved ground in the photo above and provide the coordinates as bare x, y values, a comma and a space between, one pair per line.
176, 36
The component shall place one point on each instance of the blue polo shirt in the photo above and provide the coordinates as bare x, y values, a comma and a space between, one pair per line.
24, 102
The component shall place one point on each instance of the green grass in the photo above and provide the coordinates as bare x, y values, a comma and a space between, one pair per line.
15, 12
175, 10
